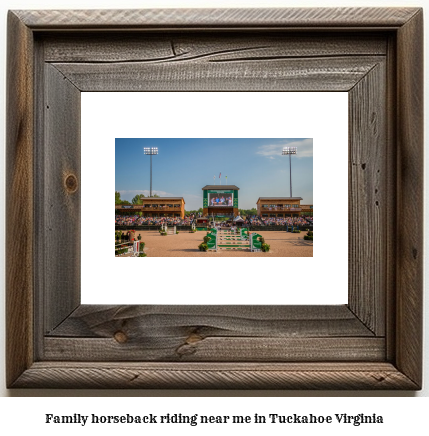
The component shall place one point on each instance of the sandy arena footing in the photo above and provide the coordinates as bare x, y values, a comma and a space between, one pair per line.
185, 244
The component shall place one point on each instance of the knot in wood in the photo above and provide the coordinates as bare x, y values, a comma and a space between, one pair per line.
120, 337
71, 183
193, 337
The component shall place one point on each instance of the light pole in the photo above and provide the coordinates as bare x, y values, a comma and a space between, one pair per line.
151, 151
289, 151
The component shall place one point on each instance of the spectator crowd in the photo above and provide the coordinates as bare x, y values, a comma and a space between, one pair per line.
135, 220
287, 221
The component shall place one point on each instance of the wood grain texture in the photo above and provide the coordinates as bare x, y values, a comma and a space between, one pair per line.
99, 321
410, 198
324, 74
341, 376
391, 195
39, 237
61, 186
171, 46
19, 199
189, 347
368, 217
193, 348
197, 18
213, 333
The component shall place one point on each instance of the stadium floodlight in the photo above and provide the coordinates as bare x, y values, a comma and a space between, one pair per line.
151, 151
289, 151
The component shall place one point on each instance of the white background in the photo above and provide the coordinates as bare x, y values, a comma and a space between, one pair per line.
322, 116
27, 415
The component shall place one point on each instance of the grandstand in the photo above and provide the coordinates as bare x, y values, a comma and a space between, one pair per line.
173, 207
279, 207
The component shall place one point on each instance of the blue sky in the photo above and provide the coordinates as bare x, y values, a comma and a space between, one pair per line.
184, 166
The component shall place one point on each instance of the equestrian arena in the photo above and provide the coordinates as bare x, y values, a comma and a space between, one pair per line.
159, 227
185, 244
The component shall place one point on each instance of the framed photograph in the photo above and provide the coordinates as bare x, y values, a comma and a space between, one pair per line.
183, 172
56, 340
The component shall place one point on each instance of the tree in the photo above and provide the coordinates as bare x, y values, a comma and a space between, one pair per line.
155, 195
194, 212
247, 212
137, 199
118, 199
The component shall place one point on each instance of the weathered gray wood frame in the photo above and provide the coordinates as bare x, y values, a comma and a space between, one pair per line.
374, 342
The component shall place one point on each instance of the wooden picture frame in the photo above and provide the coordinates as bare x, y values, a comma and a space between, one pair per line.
373, 342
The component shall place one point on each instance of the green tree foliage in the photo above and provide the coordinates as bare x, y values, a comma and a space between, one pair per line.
137, 199
118, 199
247, 212
189, 212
